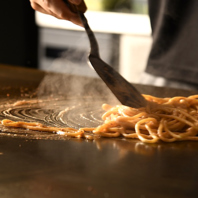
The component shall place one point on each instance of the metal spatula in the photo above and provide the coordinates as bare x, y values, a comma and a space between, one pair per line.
125, 92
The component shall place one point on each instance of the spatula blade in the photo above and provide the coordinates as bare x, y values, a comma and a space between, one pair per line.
125, 92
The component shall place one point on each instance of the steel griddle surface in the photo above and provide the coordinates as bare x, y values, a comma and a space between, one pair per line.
76, 168
54, 112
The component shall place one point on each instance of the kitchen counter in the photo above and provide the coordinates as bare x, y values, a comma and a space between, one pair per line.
80, 168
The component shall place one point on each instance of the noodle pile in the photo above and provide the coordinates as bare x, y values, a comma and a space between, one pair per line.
166, 119
163, 119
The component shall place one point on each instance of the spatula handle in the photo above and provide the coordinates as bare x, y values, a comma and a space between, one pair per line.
76, 8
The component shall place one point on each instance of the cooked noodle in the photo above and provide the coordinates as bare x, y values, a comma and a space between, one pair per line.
165, 119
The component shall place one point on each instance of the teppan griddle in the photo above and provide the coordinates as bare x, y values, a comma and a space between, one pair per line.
72, 167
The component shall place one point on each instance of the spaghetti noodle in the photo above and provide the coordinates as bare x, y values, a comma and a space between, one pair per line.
163, 119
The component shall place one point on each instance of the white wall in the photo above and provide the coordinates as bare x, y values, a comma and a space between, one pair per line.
134, 51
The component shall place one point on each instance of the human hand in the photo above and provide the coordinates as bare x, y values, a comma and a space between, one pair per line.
59, 9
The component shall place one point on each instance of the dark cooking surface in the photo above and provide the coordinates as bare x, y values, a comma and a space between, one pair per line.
80, 168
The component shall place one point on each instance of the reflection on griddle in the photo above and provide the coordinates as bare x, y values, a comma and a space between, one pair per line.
126, 146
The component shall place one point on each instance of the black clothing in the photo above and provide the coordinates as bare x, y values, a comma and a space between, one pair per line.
174, 53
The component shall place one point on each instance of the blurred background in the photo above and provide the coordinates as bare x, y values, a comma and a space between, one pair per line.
123, 6
32, 39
